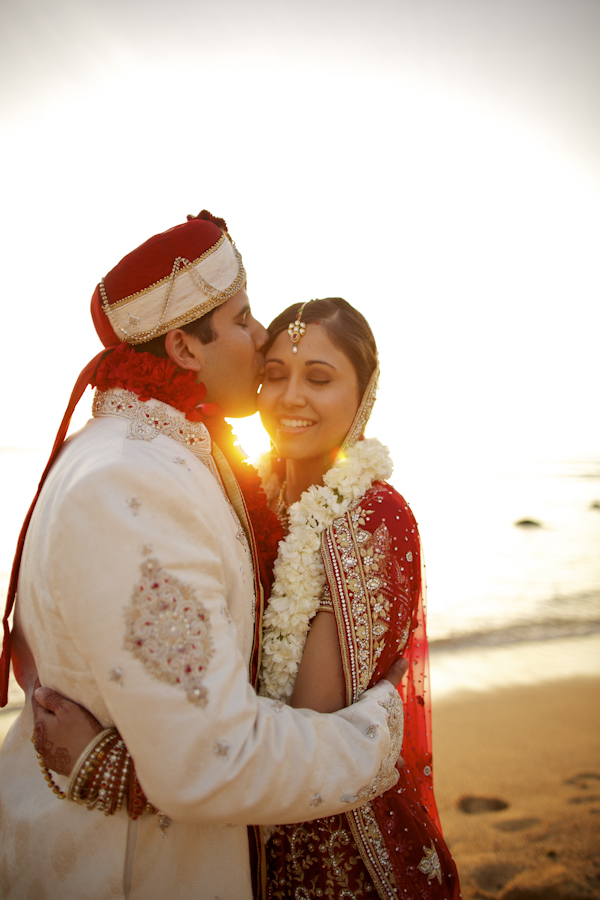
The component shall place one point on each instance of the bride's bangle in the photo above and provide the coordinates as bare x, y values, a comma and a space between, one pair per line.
104, 778
87, 765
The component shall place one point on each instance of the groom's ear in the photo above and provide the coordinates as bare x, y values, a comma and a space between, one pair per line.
184, 349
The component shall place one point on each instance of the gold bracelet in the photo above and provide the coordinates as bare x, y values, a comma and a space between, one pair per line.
85, 768
82, 758
46, 773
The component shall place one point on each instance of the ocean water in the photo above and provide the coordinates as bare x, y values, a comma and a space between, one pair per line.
491, 583
510, 604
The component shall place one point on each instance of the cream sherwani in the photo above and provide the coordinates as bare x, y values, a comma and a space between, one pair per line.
135, 599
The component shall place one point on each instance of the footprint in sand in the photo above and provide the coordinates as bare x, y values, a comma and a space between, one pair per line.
481, 804
516, 824
584, 781
493, 876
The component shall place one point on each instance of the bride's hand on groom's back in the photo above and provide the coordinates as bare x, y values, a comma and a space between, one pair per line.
62, 729
396, 672
394, 675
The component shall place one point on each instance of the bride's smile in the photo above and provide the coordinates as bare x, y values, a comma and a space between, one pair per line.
294, 423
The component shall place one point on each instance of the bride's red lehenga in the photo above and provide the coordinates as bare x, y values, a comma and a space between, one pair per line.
391, 846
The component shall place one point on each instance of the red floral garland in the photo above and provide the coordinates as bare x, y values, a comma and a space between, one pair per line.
151, 377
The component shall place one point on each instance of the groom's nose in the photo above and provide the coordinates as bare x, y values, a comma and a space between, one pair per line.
260, 335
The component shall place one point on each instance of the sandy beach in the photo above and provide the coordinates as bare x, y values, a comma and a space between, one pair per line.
517, 777
534, 751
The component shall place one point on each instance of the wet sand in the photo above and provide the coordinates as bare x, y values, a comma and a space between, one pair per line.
534, 751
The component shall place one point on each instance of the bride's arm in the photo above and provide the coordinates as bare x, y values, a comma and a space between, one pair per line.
319, 684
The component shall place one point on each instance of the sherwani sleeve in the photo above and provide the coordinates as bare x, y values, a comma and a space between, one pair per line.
140, 571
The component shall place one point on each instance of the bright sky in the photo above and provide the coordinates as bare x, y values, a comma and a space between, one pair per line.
435, 163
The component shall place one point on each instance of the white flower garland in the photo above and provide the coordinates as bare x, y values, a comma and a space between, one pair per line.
299, 573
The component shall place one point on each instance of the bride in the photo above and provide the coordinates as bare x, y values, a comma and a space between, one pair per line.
347, 597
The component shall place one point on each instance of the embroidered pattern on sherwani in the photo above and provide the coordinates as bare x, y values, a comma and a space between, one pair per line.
148, 419
387, 776
169, 631
388, 773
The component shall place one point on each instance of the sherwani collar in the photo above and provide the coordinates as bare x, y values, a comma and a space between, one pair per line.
149, 418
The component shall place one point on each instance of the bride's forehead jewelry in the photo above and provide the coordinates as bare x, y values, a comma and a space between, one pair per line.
298, 328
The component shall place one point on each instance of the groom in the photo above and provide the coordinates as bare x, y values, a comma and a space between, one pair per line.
138, 598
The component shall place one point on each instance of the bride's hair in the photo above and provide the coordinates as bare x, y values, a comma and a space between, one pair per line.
346, 327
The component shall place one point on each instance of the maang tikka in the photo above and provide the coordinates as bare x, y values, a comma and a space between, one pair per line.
297, 329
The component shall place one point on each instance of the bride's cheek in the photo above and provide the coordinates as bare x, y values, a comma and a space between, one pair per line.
266, 419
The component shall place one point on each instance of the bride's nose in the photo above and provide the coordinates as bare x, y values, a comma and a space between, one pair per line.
293, 396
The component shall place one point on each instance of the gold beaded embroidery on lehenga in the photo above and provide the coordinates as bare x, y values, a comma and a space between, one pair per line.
321, 861
358, 562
